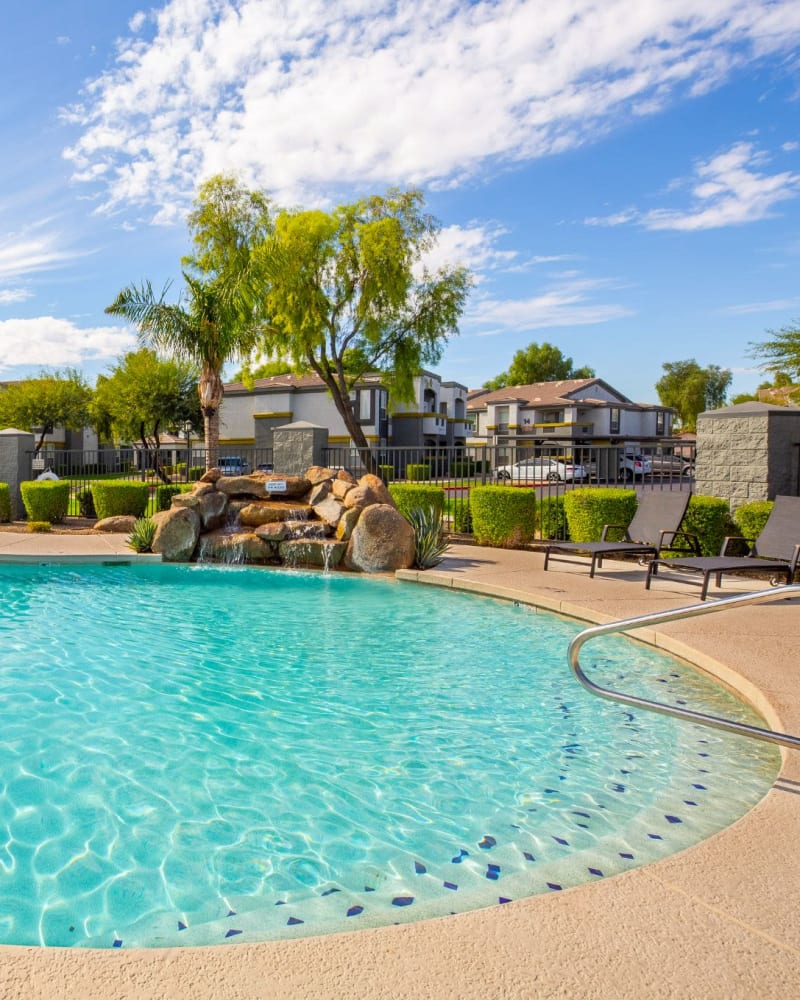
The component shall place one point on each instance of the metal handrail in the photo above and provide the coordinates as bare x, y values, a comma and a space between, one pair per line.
678, 614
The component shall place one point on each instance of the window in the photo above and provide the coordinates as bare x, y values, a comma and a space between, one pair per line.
501, 418
660, 421
614, 420
364, 406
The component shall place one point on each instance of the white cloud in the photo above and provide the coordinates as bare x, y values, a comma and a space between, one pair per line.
573, 301
26, 253
746, 308
729, 190
10, 295
51, 342
304, 95
472, 247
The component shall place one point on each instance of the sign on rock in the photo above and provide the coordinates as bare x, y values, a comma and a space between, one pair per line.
276, 486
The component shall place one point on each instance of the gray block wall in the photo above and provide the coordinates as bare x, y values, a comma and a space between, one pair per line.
297, 446
748, 452
16, 448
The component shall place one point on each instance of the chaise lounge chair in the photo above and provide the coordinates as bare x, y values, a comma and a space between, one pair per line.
774, 552
654, 528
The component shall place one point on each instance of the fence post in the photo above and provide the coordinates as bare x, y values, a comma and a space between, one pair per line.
16, 448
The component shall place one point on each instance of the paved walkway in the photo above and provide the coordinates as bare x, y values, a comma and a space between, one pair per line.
716, 922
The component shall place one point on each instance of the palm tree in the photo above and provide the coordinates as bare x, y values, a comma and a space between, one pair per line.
209, 325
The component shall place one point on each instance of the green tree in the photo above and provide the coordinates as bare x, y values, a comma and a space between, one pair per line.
690, 389
538, 363
347, 292
144, 396
55, 399
781, 353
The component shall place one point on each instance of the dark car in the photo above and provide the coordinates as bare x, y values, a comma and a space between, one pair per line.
233, 465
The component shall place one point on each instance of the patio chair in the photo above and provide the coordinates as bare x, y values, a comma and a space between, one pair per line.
653, 530
774, 552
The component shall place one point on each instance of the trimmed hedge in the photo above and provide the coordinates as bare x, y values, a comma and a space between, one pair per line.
118, 496
5, 502
589, 508
750, 518
165, 493
86, 502
551, 519
416, 472
386, 472
710, 519
462, 515
410, 497
502, 517
46, 499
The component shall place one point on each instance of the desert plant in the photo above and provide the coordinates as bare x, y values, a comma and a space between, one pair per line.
430, 544
38, 527
141, 538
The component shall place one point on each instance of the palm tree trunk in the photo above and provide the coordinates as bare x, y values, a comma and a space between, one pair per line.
211, 428
210, 390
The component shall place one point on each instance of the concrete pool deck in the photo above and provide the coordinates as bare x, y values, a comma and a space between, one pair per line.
715, 921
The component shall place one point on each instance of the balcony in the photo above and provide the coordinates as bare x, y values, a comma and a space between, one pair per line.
564, 429
434, 425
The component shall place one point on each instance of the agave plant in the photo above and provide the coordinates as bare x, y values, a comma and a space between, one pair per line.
430, 543
141, 538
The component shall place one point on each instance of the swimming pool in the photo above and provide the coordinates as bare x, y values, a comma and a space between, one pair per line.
195, 755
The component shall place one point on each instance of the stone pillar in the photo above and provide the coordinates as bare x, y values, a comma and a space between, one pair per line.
297, 446
16, 449
748, 452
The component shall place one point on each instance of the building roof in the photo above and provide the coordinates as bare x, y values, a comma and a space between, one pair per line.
543, 394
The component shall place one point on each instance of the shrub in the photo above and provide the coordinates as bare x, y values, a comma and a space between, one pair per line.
5, 502
195, 472
386, 473
86, 502
551, 518
589, 508
750, 518
416, 472
165, 493
141, 538
38, 527
502, 517
429, 541
463, 467
45, 500
462, 515
119, 496
710, 519
410, 497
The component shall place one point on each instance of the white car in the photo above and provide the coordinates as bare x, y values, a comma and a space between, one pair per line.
540, 470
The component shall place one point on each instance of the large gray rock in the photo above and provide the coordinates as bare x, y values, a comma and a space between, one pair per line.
329, 510
349, 519
254, 514
119, 524
177, 532
382, 541
378, 488
211, 508
239, 547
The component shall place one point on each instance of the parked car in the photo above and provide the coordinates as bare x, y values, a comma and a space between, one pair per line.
671, 465
232, 465
540, 470
635, 466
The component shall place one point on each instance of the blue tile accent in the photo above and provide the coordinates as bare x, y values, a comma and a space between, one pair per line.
231, 913
487, 843
673, 819
294, 920
596, 871
181, 925
402, 901
419, 868
354, 911
701, 788
554, 886
560, 840
232, 932
450, 885
368, 888
625, 855
330, 892
655, 836
281, 902
460, 856
528, 856
117, 943
503, 899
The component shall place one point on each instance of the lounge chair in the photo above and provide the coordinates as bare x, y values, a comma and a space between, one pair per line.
774, 552
654, 528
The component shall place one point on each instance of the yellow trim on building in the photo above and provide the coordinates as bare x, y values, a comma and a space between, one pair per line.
267, 416
339, 438
240, 441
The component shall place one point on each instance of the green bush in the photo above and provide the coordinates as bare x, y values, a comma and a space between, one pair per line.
45, 500
119, 496
710, 519
551, 518
86, 502
410, 497
195, 472
589, 508
502, 517
5, 502
463, 467
417, 472
165, 493
386, 473
462, 515
750, 518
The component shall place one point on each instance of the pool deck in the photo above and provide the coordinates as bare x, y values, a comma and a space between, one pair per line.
718, 920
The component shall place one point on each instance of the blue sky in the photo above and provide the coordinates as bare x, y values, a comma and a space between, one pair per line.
623, 178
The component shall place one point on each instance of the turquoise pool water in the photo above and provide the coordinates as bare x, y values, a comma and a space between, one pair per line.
204, 755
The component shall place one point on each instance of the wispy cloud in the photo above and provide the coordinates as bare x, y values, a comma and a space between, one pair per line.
776, 305
10, 295
730, 189
49, 342
29, 252
308, 95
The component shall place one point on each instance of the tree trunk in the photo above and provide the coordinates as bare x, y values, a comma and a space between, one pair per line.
210, 390
354, 428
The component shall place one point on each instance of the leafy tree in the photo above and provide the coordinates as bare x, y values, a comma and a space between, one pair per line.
690, 389
347, 292
538, 363
142, 397
267, 369
780, 354
57, 399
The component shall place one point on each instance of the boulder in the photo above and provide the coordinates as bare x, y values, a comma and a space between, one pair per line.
378, 487
329, 510
346, 477
246, 486
312, 552
119, 524
275, 532
319, 474
341, 487
382, 541
212, 509
210, 476
254, 514
296, 486
177, 531
361, 496
348, 521
239, 547
319, 493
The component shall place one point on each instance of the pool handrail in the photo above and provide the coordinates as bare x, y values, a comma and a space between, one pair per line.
678, 614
